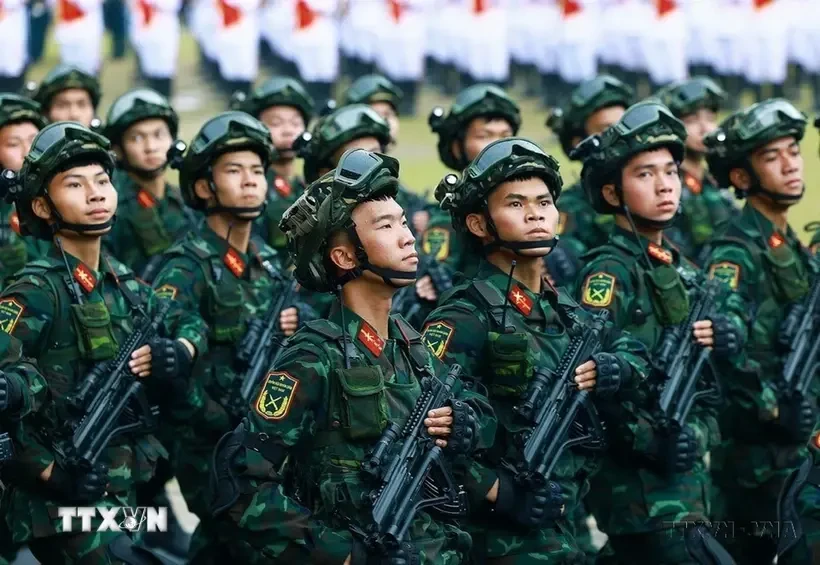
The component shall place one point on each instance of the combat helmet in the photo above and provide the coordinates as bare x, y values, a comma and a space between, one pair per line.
276, 91
645, 126
590, 96
224, 133
368, 89
15, 108
335, 130
472, 102
63, 77
54, 150
326, 207
688, 96
135, 106
500, 161
716, 151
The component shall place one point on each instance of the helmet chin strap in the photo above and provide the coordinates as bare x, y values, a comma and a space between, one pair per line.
237, 211
757, 188
142, 173
60, 224
514, 246
388, 275
647, 223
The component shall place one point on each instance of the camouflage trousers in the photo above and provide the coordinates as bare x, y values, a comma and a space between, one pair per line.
76, 549
494, 545
583, 535
663, 547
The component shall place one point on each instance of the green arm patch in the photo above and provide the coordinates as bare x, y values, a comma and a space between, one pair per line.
276, 397
10, 313
436, 337
726, 272
436, 242
598, 290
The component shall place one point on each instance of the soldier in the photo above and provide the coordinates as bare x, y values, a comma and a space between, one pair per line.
70, 311
237, 37
315, 44
78, 29
338, 384
402, 46
593, 107
67, 94
155, 37
705, 207
225, 277
759, 258
20, 121
653, 486
152, 214
282, 104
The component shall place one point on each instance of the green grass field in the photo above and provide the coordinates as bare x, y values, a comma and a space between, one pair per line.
196, 101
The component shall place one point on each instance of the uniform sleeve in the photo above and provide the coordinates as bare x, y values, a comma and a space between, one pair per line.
735, 268
286, 408
607, 284
631, 350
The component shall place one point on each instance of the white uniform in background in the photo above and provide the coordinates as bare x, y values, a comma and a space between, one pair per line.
202, 18
154, 26
627, 22
443, 39
665, 44
401, 51
578, 49
277, 17
537, 36
804, 34
79, 31
13, 38
731, 38
767, 60
363, 26
485, 47
316, 40
238, 39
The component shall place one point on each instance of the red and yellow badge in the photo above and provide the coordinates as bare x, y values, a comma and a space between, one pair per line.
370, 339
436, 242
519, 298
694, 185
14, 222
599, 288
274, 402
282, 187
166, 291
436, 336
234, 262
145, 199
657, 252
726, 272
85, 277
10, 312
776, 240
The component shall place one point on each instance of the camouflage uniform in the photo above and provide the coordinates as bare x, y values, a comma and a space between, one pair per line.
814, 245
647, 288
145, 226
501, 350
767, 271
68, 319
315, 420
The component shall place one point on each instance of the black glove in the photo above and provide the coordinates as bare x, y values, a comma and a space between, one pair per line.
611, 371
797, 417
78, 485
405, 554
727, 337
170, 359
248, 344
674, 451
562, 265
463, 437
11, 397
528, 508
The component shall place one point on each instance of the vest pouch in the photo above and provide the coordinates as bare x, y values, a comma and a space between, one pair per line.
153, 237
13, 256
364, 408
227, 312
789, 279
510, 363
92, 322
670, 301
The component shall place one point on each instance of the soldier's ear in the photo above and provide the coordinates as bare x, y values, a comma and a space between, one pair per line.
740, 178
477, 224
342, 252
41, 208
610, 195
202, 190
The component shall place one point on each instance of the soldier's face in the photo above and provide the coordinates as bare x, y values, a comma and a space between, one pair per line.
651, 185
523, 210
601, 119
698, 125
367, 143
240, 180
15, 143
82, 195
386, 237
146, 144
779, 166
386, 111
480, 133
73, 104
285, 124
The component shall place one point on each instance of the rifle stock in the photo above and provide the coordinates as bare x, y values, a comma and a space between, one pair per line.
803, 342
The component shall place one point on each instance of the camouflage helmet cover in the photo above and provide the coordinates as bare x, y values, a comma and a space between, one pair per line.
63, 77
373, 88
688, 96
276, 91
135, 106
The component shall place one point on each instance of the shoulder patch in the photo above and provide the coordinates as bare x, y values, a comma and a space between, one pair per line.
436, 336
436, 242
166, 291
276, 397
726, 272
598, 290
562, 223
10, 312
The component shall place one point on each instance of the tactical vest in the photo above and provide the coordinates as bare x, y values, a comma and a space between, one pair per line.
146, 222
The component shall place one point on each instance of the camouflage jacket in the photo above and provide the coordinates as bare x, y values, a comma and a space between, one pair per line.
814, 245
15, 250
327, 418
61, 341
705, 209
628, 496
281, 194
767, 271
580, 227
145, 226
466, 329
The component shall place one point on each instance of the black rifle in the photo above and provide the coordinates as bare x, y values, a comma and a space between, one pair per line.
551, 406
682, 359
151, 268
415, 461
801, 339
258, 354
6, 448
109, 402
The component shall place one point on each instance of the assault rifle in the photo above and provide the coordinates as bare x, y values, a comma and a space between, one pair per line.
262, 346
416, 460
110, 401
552, 406
6, 448
801, 338
682, 360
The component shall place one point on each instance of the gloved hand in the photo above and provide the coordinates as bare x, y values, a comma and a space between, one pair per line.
562, 265
528, 508
611, 373
11, 397
248, 344
674, 452
405, 554
463, 436
78, 486
170, 359
726, 336
797, 417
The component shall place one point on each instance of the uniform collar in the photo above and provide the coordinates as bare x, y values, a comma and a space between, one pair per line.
759, 226
664, 254
130, 190
85, 276
362, 334
520, 297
